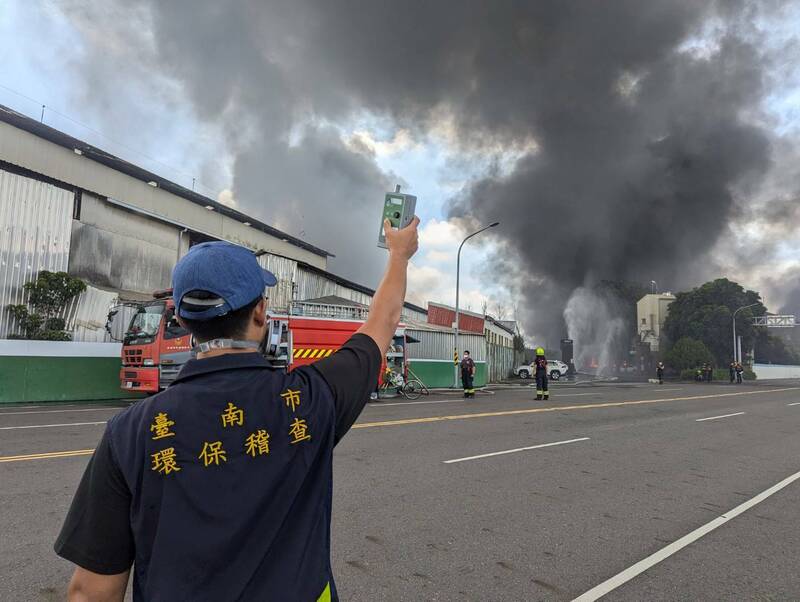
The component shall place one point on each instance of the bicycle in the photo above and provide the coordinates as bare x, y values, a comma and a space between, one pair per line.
411, 389
415, 387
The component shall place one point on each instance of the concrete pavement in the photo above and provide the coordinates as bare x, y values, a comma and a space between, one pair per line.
500, 497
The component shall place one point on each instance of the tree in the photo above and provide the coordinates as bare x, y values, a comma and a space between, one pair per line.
500, 310
687, 353
705, 314
48, 295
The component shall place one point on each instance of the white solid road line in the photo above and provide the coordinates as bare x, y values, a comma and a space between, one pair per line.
717, 417
46, 426
64, 411
667, 551
796, 403
512, 451
379, 404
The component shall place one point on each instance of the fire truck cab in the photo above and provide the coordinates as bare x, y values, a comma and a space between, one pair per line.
154, 347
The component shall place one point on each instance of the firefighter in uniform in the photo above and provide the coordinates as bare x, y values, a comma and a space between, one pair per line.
220, 487
468, 375
540, 370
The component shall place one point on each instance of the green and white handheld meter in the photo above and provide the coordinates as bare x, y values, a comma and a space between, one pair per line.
398, 208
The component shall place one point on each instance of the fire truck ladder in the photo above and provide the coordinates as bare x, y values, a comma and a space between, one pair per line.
328, 310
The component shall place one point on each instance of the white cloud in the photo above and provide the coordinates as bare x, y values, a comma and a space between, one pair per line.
400, 143
432, 273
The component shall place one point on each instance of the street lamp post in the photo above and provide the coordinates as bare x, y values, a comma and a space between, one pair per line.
736, 357
653, 286
458, 284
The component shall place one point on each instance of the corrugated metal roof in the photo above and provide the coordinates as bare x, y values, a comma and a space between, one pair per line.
55, 136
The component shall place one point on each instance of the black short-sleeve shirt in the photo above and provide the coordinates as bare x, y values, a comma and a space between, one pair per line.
220, 487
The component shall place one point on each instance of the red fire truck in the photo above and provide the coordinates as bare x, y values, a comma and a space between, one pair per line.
155, 346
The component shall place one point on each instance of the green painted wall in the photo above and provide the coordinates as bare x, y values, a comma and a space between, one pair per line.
30, 378
440, 374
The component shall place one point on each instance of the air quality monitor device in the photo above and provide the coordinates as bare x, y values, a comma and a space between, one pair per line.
398, 208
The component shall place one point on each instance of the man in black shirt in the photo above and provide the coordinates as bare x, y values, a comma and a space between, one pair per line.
220, 487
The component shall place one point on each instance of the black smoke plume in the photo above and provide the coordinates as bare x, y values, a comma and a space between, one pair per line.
636, 120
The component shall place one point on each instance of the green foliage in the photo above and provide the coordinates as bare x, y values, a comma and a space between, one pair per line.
687, 353
720, 374
54, 335
688, 374
48, 295
519, 344
705, 314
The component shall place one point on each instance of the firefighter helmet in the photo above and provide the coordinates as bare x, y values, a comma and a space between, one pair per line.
539, 351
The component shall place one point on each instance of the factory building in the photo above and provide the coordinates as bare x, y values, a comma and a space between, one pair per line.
651, 313
68, 206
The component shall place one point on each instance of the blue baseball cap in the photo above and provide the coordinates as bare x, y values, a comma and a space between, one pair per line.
223, 269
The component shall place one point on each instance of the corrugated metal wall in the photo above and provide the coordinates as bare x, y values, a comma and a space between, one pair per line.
285, 270
500, 362
88, 314
35, 220
436, 345
310, 285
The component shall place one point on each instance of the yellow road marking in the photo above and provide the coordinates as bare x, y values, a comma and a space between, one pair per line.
364, 425
44, 456
588, 406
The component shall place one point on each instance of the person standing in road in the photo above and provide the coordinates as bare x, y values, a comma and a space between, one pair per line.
220, 487
468, 375
739, 371
732, 370
660, 372
540, 370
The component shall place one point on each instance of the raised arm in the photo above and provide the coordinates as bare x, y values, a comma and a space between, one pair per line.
387, 304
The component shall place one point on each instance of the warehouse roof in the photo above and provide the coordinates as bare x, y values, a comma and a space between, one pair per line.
20, 121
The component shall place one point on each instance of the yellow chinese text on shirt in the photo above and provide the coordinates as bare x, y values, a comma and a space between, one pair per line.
257, 443
299, 431
161, 425
164, 461
212, 453
232, 416
292, 398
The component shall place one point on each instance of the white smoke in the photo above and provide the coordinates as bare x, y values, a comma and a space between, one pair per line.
593, 328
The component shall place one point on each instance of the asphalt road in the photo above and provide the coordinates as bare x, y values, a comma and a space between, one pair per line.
672, 492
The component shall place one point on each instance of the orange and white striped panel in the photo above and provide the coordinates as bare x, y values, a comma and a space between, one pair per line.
311, 353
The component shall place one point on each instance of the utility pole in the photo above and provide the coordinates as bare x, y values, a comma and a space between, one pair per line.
736, 357
458, 284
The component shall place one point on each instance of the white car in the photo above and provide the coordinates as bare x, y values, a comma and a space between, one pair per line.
557, 369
